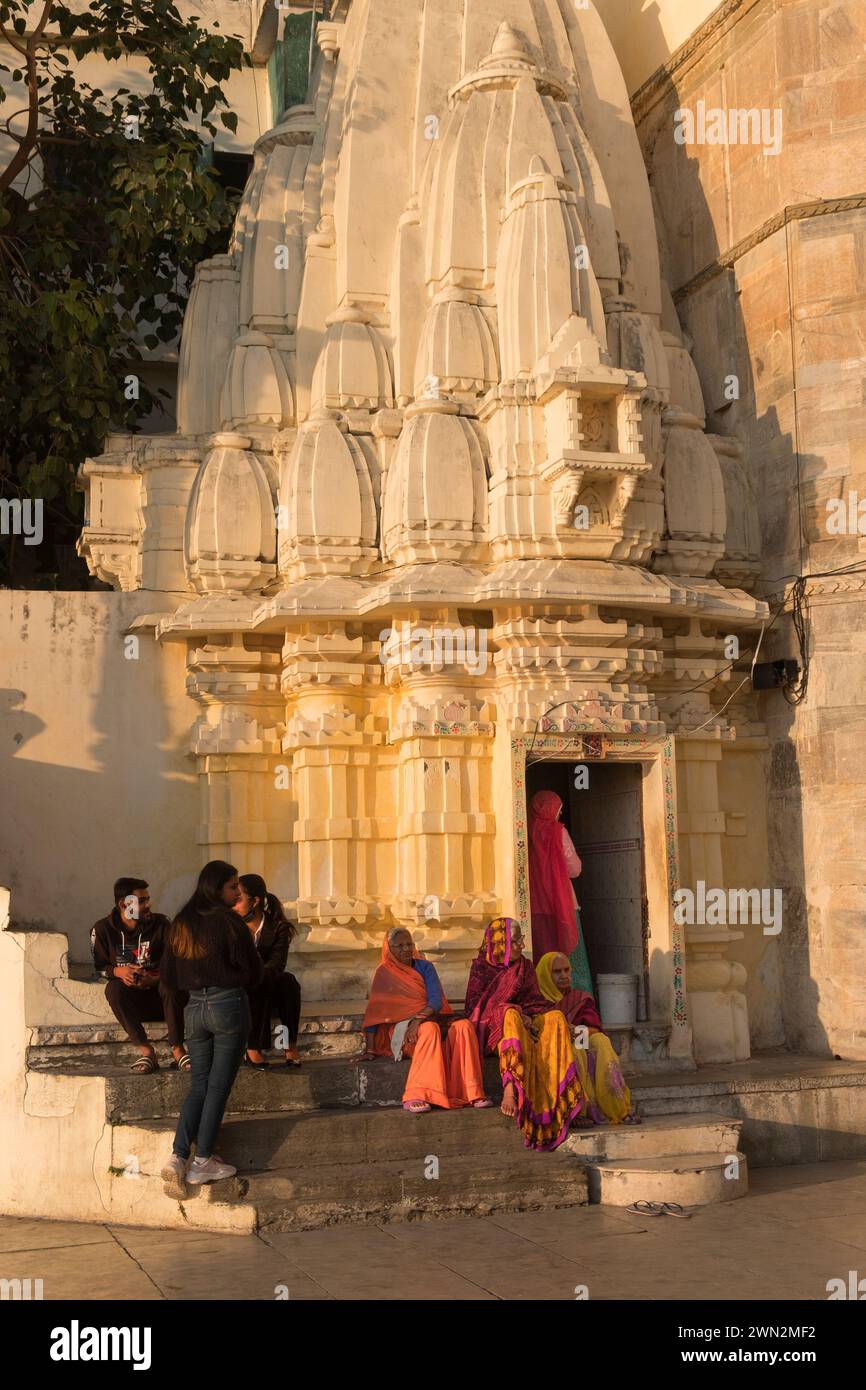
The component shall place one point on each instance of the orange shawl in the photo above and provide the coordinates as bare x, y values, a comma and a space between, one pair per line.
397, 991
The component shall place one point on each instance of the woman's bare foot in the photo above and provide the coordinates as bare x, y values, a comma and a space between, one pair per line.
254, 1056
509, 1100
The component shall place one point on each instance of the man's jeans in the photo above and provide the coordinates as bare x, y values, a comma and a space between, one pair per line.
216, 1027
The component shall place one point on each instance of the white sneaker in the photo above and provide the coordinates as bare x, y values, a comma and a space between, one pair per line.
174, 1178
210, 1170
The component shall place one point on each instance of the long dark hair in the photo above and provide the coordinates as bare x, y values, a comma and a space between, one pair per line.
254, 885
206, 902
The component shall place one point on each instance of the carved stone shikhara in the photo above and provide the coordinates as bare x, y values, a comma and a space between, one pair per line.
429, 384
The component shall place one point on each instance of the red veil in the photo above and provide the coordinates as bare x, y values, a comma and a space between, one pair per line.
554, 923
498, 982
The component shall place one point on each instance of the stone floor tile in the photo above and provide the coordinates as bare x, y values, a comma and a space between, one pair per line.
22, 1233
198, 1265
100, 1270
581, 1222
365, 1262
849, 1230
499, 1260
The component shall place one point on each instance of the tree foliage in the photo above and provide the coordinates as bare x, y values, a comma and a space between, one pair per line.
107, 202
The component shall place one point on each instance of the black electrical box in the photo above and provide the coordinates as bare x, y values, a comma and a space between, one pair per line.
770, 675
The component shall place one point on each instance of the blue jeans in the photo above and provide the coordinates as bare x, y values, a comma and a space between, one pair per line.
216, 1027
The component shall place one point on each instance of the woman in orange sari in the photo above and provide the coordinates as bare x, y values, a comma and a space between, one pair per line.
406, 1015
540, 1085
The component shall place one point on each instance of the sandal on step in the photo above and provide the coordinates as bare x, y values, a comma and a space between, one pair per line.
145, 1065
181, 1063
643, 1208
482, 1104
416, 1107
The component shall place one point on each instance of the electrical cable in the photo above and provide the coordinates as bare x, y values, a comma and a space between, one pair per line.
793, 695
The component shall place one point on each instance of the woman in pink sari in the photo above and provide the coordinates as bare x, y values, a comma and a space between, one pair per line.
553, 863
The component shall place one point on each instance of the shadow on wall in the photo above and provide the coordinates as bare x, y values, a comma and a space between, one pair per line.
96, 775
758, 354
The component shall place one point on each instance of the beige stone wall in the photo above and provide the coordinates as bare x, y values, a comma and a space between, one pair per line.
96, 776
645, 33
765, 255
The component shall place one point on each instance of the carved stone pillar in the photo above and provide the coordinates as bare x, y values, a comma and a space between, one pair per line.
341, 791
716, 1003
442, 731
236, 743
714, 983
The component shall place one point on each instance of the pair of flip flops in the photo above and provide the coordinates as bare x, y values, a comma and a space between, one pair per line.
658, 1209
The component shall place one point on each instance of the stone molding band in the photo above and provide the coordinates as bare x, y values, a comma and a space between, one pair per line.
794, 212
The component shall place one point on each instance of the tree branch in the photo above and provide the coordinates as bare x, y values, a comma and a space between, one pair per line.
12, 42
31, 136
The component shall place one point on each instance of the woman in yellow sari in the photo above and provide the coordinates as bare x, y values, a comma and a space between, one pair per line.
540, 1085
598, 1066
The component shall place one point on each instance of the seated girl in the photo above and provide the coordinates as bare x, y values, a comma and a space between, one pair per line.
279, 992
597, 1064
541, 1086
406, 1016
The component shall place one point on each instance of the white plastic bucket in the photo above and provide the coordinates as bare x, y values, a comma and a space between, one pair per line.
617, 1000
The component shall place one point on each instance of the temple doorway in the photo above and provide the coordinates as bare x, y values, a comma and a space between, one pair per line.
604, 819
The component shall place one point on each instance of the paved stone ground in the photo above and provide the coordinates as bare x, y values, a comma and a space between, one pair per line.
798, 1227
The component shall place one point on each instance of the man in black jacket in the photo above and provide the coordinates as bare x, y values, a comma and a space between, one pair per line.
127, 949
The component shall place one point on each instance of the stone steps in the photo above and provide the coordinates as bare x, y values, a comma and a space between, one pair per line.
322, 1138
295, 1199
301, 1170
105, 1044
692, 1180
322, 1084
658, 1136
668, 1158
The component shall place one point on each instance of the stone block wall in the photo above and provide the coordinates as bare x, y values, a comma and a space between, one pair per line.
765, 256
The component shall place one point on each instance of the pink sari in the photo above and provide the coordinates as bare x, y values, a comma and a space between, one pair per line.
554, 927
497, 983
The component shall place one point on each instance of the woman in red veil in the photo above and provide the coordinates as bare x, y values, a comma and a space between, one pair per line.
553, 863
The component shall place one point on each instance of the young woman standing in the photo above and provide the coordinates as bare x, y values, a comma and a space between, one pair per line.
210, 953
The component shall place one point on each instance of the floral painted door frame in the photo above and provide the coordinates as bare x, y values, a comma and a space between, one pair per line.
666, 943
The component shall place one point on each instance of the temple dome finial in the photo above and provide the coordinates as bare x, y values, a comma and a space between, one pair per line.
509, 43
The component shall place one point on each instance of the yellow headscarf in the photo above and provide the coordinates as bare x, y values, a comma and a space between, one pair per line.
544, 972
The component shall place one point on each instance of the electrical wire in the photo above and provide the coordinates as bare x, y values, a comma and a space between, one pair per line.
794, 695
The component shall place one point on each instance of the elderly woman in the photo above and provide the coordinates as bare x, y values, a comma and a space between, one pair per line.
541, 1086
597, 1064
406, 1016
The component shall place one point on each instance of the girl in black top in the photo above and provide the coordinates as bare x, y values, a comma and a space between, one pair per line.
279, 992
209, 952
